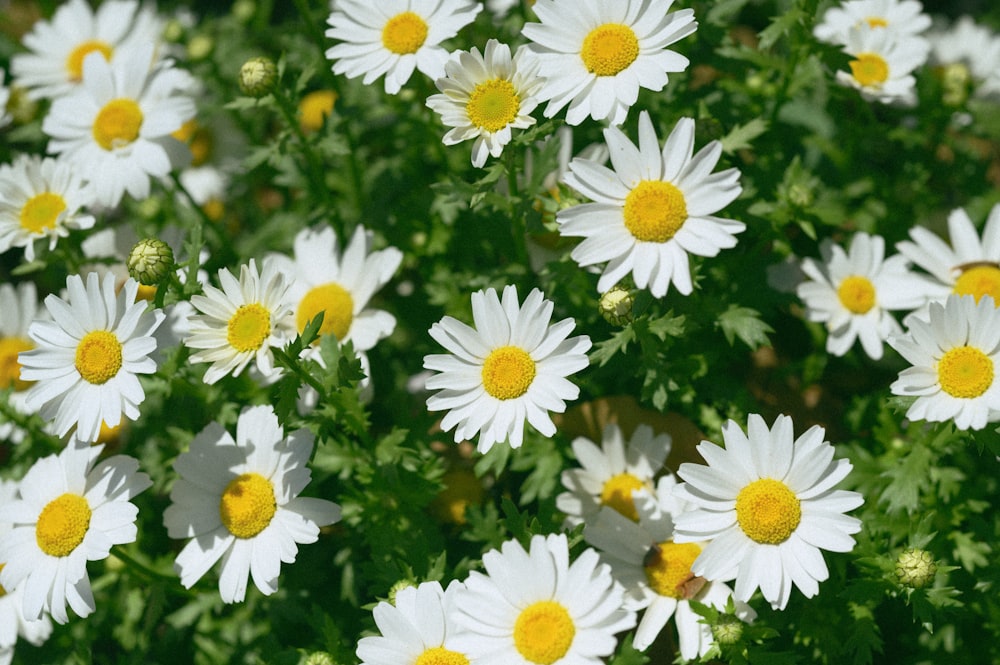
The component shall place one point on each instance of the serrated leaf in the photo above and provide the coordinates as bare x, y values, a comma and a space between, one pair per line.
740, 136
779, 27
908, 478
606, 350
746, 324
667, 325
970, 552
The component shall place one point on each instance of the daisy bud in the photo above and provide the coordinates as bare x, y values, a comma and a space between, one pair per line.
319, 658
258, 76
729, 630
244, 10
616, 306
200, 47
150, 261
915, 568
397, 587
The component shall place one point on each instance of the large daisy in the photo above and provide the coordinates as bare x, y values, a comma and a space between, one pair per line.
238, 501
656, 207
86, 360
510, 368
394, 37
71, 511
767, 504
596, 54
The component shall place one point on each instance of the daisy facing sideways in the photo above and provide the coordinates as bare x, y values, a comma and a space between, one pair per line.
767, 504
652, 210
510, 368
238, 501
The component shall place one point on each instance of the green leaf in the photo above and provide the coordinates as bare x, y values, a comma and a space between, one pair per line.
740, 136
667, 325
908, 479
606, 350
780, 27
970, 553
746, 324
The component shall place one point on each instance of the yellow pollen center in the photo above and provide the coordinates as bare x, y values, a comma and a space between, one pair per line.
74, 61
768, 511
609, 49
145, 292
979, 281
870, 69
404, 33
617, 494
655, 211
315, 108
249, 327
198, 139
544, 632
965, 372
247, 505
117, 124
668, 569
10, 368
461, 489
441, 656
62, 524
877, 22
98, 356
336, 304
857, 294
493, 105
41, 211
508, 372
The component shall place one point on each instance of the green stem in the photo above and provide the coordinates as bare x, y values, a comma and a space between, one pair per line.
314, 167
145, 571
206, 221
518, 225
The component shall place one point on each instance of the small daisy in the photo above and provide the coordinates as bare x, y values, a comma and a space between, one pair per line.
656, 571
510, 368
537, 607
86, 360
853, 292
653, 209
768, 506
882, 68
612, 475
241, 322
394, 37
595, 55
117, 126
71, 511
954, 353
485, 95
41, 198
898, 18
20, 308
238, 501
417, 629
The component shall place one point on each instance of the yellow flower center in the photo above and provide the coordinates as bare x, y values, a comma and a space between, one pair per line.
117, 124
461, 489
768, 511
965, 371
247, 505
404, 33
857, 294
617, 494
145, 292
74, 61
668, 569
544, 632
508, 372
979, 281
609, 48
877, 22
493, 105
41, 211
315, 108
249, 327
336, 304
441, 656
214, 209
870, 69
10, 368
655, 211
62, 524
198, 139
98, 356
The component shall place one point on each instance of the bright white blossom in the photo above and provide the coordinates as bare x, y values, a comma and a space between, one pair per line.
900, 19
656, 207
882, 66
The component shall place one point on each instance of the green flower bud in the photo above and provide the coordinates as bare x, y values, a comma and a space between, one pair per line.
319, 658
200, 47
150, 261
915, 568
244, 10
616, 306
397, 587
729, 630
258, 76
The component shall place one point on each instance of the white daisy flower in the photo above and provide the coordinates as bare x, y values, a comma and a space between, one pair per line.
117, 126
238, 501
596, 54
71, 511
54, 66
41, 198
967, 51
954, 353
898, 18
656, 571
882, 68
86, 359
768, 506
653, 209
20, 308
394, 37
485, 96
852, 293
537, 607
612, 475
418, 629
510, 368
241, 322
